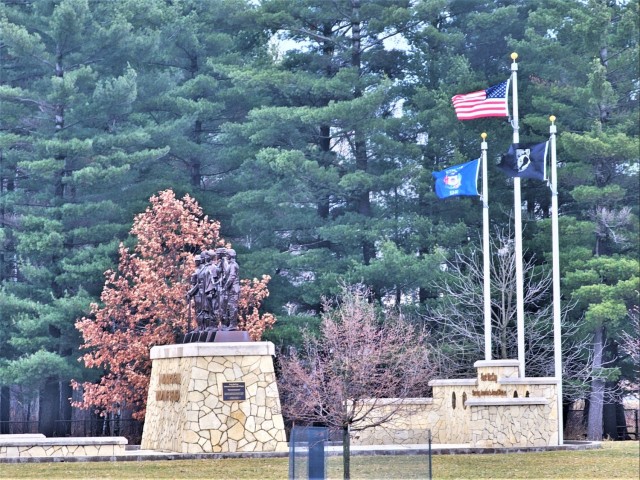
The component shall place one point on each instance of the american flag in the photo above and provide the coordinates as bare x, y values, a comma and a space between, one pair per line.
491, 102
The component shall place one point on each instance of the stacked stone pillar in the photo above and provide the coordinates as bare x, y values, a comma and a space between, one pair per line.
512, 411
214, 397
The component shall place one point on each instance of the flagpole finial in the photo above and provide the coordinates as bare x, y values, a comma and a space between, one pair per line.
484, 136
552, 119
514, 56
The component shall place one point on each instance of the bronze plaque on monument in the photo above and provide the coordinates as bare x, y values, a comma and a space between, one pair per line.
233, 391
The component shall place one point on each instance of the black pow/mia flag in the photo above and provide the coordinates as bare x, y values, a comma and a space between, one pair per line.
525, 161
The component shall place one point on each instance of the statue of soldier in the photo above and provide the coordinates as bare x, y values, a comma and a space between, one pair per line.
231, 286
204, 279
212, 288
222, 303
215, 288
197, 293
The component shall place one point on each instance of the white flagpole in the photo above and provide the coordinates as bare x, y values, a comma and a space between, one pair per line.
485, 250
557, 333
517, 217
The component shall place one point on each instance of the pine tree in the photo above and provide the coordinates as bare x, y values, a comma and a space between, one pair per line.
326, 164
70, 153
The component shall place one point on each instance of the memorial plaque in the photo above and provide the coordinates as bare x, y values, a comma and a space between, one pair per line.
233, 391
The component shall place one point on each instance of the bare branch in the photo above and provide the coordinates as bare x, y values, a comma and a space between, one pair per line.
459, 326
356, 373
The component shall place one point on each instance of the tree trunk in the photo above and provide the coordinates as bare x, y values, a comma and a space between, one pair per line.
623, 432
5, 410
504, 354
196, 166
603, 108
566, 408
49, 408
609, 420
65, 408
26, 426
363, 199
346, 453
328, 48
594, 425
323, 205
615, 422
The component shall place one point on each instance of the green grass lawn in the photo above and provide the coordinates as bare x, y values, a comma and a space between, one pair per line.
614, 460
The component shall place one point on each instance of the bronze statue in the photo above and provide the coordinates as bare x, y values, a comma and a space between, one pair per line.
212, 288
215, 290
197, 293
222, 305
232, 290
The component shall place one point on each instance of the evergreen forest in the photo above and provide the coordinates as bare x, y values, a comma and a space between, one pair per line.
310, 130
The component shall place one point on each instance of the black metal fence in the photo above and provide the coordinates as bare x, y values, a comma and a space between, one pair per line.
631, 428
576, 425
93, 427
18, 427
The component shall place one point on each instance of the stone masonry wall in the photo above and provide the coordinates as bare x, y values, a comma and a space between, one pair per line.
495, 409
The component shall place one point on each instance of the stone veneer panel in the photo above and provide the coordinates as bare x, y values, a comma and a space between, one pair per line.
186, 411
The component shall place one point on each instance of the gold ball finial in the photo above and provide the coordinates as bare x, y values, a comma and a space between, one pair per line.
552, 118
483, 135
514, 56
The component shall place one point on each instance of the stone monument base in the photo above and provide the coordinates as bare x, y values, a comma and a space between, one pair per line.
214, 397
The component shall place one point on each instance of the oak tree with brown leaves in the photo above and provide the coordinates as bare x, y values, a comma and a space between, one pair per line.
143, 302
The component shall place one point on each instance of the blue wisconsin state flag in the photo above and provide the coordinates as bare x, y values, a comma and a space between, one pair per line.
458, 180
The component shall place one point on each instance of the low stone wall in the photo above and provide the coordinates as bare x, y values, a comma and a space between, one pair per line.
40, 446
409, 424
495, 409
214, 397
